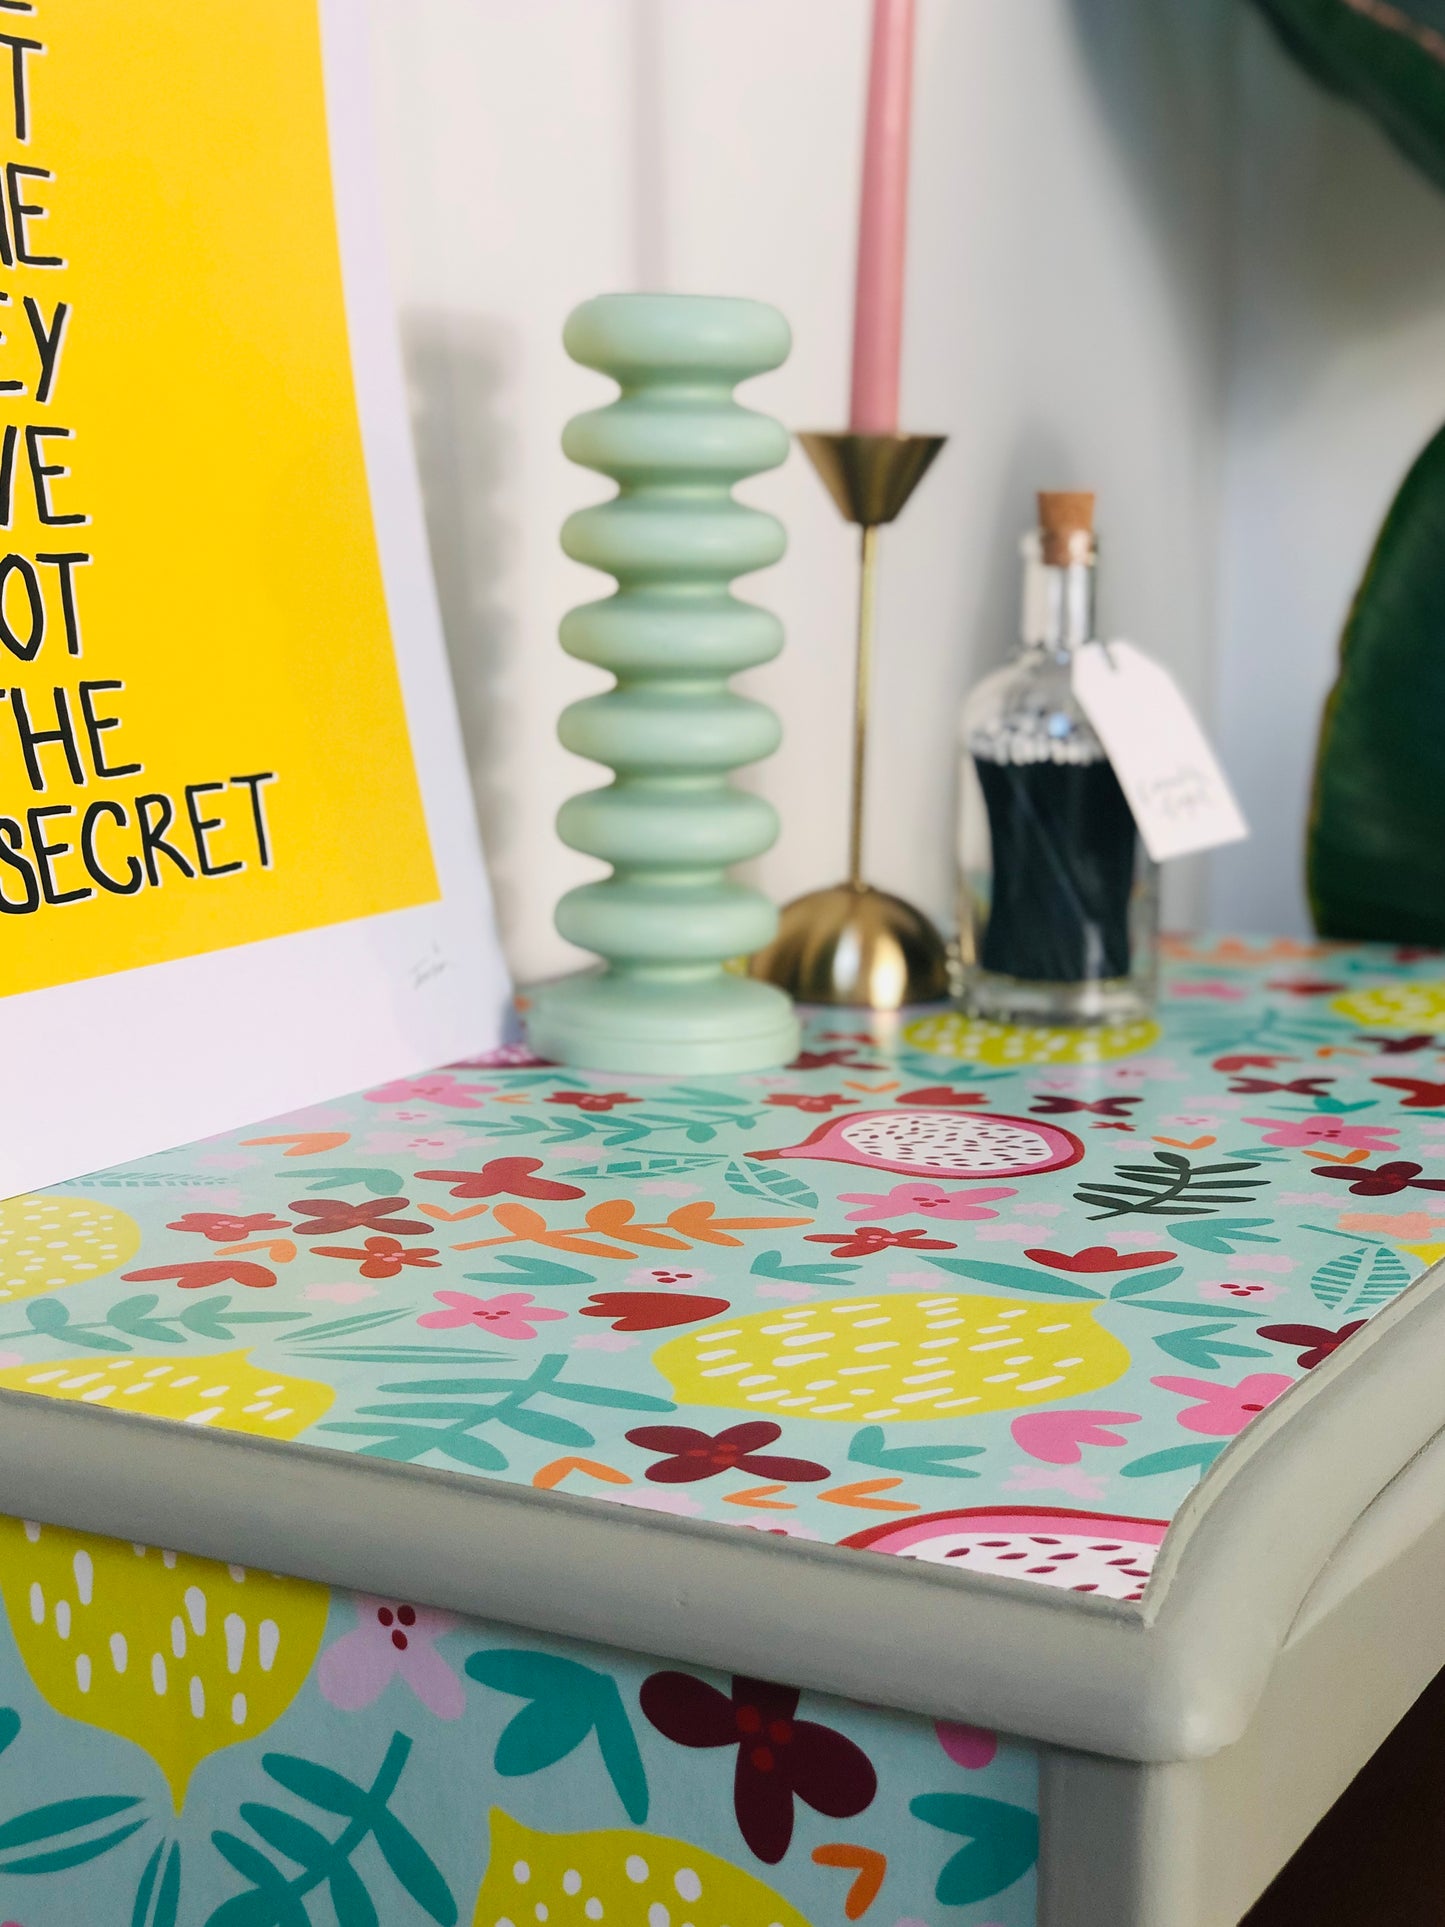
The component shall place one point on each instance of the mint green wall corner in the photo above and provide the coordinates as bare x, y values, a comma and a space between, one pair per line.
670, 823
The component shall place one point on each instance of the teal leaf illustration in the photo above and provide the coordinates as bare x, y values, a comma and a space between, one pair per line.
1138, 1284
167, 1894
1201, 1347
1002, 1844
213, 1318
9, 1726
769, 1264
649, 1164
62, 1816
276, 1900
1178, 1458
1389, 1275
924, 1461
535, 1271
1224, 1236
566, 1702
1337, 1276
59, 1859
380, 1183
771, 1185
1172, 1186
1054, 1284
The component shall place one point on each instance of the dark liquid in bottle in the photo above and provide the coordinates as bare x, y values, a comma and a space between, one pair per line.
1063, 870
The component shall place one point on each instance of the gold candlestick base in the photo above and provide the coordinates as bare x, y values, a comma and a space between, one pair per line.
853, 944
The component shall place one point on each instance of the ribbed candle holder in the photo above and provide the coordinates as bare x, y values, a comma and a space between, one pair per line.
668, 920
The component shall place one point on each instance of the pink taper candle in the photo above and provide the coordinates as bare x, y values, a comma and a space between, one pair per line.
883, 223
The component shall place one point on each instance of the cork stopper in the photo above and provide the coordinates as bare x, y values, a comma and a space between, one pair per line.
1066, 526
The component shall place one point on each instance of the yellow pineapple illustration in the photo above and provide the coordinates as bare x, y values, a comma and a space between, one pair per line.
1405, 1004
180, 1655
223, 1389
623, 1876
47, 1242
916, 1355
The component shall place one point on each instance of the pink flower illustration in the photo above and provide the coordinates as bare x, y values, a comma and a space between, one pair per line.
513, 1315
1214, 987
786, 1288
666, 1277
1013, 1234
434, 1087
1309, 1133
1072, 1479
1264, 1262
343, 1293
1224, 1410
665, 1188
1236, 1291
439, 1140
931, 1199
1410, 1227
656, 1498
391, 1640
603, 1341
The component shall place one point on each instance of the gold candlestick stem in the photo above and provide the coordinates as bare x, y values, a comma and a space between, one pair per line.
852, 944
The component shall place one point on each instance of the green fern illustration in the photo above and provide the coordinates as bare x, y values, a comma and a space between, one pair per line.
1172, 1186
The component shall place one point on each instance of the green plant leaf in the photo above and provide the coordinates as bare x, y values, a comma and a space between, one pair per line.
1138, 1284
9, 1726
1224, 1236
380, 1183
62, 1816
770, 1184
1003, 1843
1178, 1458
140, 1912
414, 1869
546, 1426
349, 1897
545, 1731
1376, 864
1054, 1284
536, 1271
1337, 1276
868, 1447
769, 1264
318, 1785
1387, 59
566, 1702
300, 1842
60, 1858
1389, 1275
1202, 1348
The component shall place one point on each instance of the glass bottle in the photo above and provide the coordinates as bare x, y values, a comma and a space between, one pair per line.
1058, 899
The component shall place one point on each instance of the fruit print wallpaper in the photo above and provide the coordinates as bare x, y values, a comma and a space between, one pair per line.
184, 1744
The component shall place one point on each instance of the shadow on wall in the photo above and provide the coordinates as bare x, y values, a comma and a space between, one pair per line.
457, 367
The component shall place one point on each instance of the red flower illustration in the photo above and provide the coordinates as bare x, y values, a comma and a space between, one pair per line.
225, 1227
197, 1273
826, 1102
780, 1757
1317, 1340
1398, 1175
1421, 1094
1297, 1087
824, 1060
1401, 1046
1098, 1258
1249, 1060
330, 1215
650, 1311
1051, 1104
382, 1257
1305, 986
504, 1177
698, 1455
593, 1100
869, 1238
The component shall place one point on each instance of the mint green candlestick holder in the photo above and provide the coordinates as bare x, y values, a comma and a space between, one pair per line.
668, 920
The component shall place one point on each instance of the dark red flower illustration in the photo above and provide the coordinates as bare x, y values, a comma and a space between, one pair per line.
651, 1311
1297, 1087
504, 1177
943, 1094
382, 1257
698, 1455
593, 1100
1051, 1104
824, 1060
330, 1215
1305, 986
1420, 1093
828, 1101
225, 1227
1317, 1340
780, 1757
1249, 1060
200, 1272
1098, 1258
1401, 1046
868, 1238
1386, 1179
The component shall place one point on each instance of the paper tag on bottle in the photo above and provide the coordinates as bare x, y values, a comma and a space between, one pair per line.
1180, 796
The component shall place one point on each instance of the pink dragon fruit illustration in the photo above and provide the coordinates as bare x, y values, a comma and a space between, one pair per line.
939, 1144
1092, 1552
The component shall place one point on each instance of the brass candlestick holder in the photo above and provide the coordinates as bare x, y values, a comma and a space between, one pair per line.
854, 944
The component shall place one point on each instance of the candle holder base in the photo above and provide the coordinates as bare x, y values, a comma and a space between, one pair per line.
715, 1026
856, 946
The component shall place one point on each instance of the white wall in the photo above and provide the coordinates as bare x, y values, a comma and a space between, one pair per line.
1079, 315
